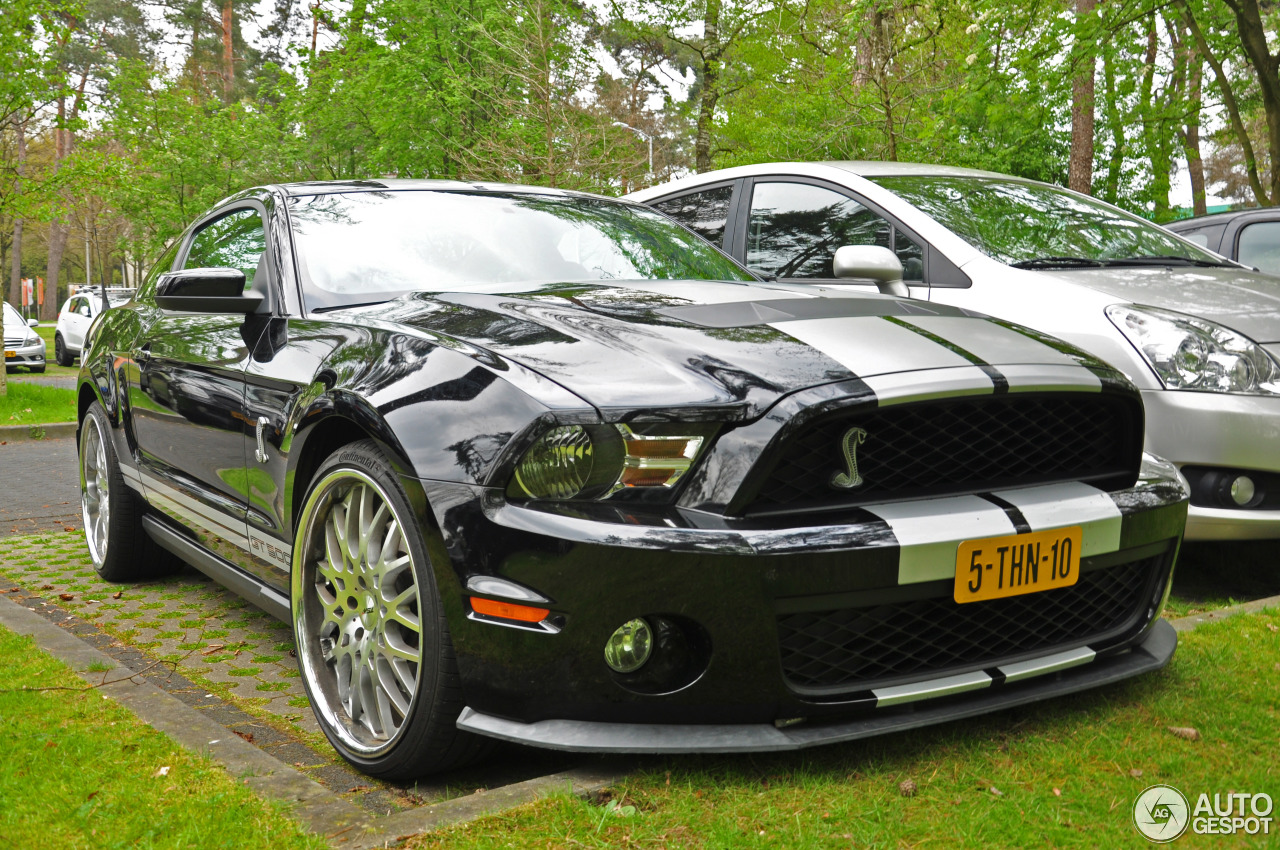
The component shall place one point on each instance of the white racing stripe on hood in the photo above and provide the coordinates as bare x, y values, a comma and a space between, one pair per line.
933, 384
704, 291
1071, 503
1027, 379
929, 532
991, 342
871, 346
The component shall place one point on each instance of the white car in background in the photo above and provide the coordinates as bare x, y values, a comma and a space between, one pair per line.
22, 345
75, 317
1198, 334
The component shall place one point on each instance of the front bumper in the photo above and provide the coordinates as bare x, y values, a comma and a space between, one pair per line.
1151, 653
730, 584
1223, 431
25, 355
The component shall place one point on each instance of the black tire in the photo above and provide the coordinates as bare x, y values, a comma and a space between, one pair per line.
60, 353
121, 550
38, 369
353, 625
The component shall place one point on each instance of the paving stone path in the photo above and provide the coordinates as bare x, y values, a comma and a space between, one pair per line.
39, 487
220, 654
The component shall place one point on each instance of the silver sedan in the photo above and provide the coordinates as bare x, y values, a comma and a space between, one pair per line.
1198, 334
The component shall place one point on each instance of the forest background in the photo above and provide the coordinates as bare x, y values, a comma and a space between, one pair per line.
121, 120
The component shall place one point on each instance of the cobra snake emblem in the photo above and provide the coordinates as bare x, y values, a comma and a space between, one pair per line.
853, 438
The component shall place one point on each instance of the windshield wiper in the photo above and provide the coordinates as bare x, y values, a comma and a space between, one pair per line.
333, 307
1166, 260
1058, 263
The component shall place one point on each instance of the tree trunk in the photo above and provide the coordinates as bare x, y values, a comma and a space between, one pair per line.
1080, 165
1115, 126
228, 64
57, 230
710, 94
1190, 136
14, 295
1253, 35
1233, 107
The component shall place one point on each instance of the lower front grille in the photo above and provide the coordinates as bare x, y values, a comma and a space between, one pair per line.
856, 648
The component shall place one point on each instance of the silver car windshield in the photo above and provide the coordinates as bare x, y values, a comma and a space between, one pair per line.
360, 247
1031, 223
13, 323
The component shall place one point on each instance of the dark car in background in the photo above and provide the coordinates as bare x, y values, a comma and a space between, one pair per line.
540, 466
1251, 237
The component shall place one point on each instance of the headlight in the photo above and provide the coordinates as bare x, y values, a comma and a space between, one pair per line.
596, 461
1193, 354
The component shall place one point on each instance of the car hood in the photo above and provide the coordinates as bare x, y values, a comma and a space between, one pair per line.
1243, 300
691, 344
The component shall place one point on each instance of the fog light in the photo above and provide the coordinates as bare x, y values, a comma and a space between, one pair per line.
628, 648
1243, 490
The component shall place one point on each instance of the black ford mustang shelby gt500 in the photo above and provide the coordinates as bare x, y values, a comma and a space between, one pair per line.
544, 467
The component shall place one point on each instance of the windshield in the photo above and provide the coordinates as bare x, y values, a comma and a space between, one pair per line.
1016, 222
13, 323
361, 247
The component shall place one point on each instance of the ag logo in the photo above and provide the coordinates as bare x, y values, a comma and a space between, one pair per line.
850, 478
1161, 813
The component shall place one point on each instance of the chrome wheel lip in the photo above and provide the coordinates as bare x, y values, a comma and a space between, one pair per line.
95, 489
346, 658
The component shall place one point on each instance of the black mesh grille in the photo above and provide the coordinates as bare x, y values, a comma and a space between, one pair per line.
962, 446
855, 647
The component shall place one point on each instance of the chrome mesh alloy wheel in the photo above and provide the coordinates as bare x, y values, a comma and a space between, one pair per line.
358, 618
95, 489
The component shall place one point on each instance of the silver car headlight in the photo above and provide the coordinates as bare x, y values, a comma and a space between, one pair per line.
1188, 353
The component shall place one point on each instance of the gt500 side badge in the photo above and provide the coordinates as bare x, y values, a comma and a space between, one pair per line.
850, 478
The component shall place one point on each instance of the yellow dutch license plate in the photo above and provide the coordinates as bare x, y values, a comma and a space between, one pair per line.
8, 354
996, 567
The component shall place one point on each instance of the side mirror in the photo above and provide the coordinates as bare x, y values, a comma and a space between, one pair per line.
871, 262
31, 323
206, 291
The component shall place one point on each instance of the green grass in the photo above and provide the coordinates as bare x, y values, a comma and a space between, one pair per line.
28, 404
1067, 772
80, 771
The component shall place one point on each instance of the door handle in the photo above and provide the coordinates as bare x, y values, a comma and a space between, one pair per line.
260, 455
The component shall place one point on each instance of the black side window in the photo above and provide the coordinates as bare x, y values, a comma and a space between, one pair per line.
795, 229
235, 241
705, 213
1260, 246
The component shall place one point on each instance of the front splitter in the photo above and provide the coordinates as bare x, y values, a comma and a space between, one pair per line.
1152, 653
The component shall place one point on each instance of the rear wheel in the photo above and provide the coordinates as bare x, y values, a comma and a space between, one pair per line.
120, 548
60, 353
373, 641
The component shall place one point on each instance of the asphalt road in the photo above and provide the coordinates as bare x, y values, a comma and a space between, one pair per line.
39, 487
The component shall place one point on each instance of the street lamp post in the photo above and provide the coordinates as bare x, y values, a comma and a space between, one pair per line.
642, 134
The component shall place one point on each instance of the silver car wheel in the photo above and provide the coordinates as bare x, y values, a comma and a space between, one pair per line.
357, 618
95, 489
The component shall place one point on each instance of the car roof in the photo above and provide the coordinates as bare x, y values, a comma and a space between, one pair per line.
1222, 218
867, 168
401, 184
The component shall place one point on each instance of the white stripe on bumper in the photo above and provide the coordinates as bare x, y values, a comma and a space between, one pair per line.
931, 688
929, 531
1047, 664
1072, 503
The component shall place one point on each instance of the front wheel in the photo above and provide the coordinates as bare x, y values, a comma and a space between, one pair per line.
373, 642
119, 547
